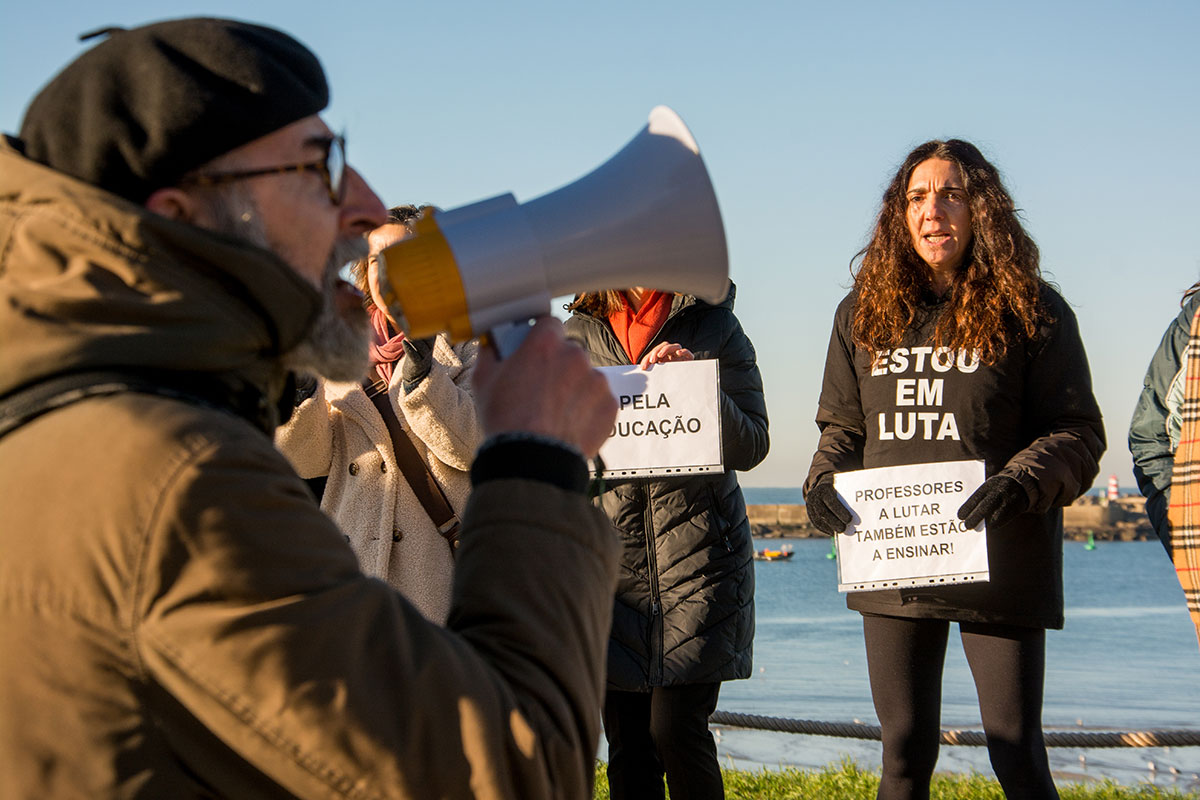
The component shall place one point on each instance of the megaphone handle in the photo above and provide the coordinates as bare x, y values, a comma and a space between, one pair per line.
505, 338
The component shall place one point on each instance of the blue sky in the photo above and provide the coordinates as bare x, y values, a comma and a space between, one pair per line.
802, 111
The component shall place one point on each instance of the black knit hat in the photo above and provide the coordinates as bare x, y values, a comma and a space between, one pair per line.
147, 105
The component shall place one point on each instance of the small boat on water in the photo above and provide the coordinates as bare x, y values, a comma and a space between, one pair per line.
768, 554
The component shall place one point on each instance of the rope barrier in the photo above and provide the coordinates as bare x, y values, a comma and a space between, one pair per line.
849, 730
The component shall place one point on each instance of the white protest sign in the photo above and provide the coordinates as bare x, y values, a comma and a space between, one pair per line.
668, 420
905, 529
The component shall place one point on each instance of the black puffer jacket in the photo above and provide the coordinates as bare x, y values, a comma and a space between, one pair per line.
684, 610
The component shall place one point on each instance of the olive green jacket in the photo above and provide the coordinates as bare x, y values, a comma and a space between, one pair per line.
178, 619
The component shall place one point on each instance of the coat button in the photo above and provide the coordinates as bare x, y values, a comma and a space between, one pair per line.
397, 534
353, 468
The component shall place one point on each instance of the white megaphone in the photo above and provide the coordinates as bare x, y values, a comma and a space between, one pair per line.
647, 217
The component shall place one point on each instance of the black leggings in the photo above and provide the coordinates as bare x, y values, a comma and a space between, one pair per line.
663, 730
905, 659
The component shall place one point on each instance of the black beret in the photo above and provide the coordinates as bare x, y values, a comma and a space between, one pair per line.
149, 104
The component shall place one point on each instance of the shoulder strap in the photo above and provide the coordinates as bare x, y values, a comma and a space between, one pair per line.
422, 482
32, 401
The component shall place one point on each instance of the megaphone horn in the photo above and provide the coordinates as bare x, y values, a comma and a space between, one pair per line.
646, 217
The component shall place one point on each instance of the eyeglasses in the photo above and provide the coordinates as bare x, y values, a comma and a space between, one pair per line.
332, 169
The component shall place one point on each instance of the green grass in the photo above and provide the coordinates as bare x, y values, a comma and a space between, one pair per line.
847, 781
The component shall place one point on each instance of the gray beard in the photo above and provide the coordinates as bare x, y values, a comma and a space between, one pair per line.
337, 345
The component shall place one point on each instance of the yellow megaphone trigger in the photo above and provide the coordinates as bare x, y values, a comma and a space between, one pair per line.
424, 284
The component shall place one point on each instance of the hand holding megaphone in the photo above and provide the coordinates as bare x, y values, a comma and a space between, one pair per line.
646, 217
546, 388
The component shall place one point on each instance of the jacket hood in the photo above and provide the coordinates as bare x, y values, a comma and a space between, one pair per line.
92, 281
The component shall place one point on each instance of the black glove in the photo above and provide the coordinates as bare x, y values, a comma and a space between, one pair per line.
998, 500
825, 511
306, 387
418, 359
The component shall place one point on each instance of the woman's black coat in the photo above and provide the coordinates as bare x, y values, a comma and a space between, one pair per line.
684, 610
1030, 416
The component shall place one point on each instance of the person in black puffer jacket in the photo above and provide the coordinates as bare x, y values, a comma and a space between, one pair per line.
683, 619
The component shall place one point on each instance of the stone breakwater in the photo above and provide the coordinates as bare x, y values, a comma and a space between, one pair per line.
1106, 520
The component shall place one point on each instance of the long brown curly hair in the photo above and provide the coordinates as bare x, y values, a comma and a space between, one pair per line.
1191, 290
598, 304
995, 292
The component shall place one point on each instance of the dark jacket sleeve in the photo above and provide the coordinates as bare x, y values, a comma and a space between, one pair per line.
1064, 419
1149, 435
744, 436
839, 409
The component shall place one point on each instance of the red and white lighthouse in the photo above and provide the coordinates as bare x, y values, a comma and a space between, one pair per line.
1113, 490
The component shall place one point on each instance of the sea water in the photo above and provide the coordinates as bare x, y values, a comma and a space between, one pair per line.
1127, 659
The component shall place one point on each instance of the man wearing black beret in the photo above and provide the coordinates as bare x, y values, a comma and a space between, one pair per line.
177, 618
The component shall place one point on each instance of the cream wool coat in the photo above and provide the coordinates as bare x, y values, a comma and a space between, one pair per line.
338, 432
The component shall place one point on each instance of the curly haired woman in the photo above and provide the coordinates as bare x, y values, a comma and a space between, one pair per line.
948, 296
